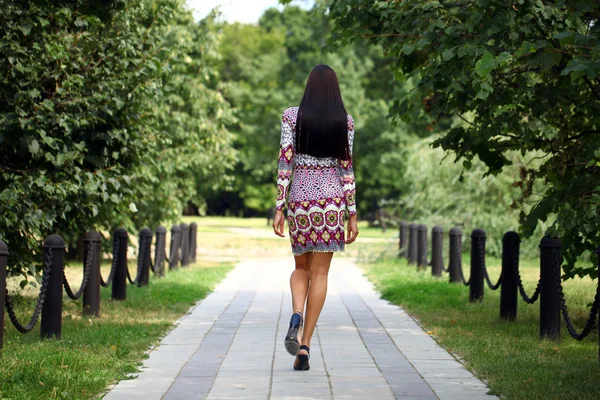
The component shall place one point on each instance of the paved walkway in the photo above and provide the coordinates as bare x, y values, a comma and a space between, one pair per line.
230, 346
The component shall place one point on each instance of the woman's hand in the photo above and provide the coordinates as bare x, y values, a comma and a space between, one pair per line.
352, 230
278, 223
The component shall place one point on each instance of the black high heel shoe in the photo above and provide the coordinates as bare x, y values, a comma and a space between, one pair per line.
301, 363
292, 345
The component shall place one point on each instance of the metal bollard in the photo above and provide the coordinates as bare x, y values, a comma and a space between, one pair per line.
185, 245
550, 263
3, 259
119, 283
193, 244
144, 256
437, 259
91, 293
160, 250
51, 325
174, 249
477, 264
508, 287
455, 258
422, 246
403, 238
412, 243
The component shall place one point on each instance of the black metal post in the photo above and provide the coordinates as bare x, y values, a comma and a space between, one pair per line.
91, 293
51, 325
119, 283
193, 237
550, 262
185, 244
160, 249
3, 258
412, 243
455, 258
174, 249
477, 264
422, 246
144, 256
508, 286
437, 259
403, 238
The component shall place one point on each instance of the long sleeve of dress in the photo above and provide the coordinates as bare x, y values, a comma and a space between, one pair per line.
347, 172
286, 160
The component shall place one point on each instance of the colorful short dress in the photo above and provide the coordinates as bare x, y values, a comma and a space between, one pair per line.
321, 191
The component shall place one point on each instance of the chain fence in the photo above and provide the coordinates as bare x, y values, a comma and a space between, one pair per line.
563, 305
484, 266
113, 266
40, 301
86, 274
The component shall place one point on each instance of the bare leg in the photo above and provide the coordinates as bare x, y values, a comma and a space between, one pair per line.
319, 270
299, 283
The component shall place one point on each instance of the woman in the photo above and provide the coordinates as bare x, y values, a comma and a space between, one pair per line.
316, 145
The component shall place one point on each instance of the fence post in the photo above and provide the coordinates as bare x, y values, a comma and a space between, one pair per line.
477, 264
174, 248
144, 256
160, 250
3, 259
51, 325
403, 238
437, 243
119, 283
550, 262
422, 246
185, 244
91, 293
455, 258
193, 234
508, 285
412, 243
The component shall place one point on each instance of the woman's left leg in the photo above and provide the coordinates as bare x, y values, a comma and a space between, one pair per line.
319, 271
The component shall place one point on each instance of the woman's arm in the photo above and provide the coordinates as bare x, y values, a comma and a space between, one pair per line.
347, 172
286, 160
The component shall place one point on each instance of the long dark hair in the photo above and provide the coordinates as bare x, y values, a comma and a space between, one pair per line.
321, 124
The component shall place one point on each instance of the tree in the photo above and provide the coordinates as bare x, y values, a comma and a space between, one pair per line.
521, 75
85, 142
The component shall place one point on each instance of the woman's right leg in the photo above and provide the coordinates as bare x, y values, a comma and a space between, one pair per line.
300, 280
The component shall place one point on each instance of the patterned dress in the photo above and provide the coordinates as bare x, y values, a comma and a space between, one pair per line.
321, 191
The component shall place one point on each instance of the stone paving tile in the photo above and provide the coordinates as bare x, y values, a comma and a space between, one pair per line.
230, 346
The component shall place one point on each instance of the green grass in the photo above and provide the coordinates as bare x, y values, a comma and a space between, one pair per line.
509, 355
95, 352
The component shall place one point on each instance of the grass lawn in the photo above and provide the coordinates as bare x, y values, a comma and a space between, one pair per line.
509, 355
95, 352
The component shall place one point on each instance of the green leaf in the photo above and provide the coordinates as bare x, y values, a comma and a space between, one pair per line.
484, 66
34, 146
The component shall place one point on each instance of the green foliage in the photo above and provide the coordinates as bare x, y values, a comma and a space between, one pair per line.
443, 193
523, 75
85, 142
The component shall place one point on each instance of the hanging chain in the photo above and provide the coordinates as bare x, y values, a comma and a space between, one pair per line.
515, 266
113, 267
86, 274
142, 244
485, 272
460, 270
40, 302
563, 305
